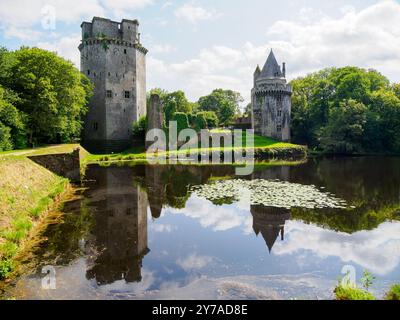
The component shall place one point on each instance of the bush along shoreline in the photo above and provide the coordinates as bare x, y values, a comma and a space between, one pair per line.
30, 197
347, 290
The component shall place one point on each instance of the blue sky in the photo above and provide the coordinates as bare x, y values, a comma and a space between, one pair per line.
199, 45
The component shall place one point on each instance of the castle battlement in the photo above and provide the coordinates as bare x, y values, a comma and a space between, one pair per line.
113, 58
102, 28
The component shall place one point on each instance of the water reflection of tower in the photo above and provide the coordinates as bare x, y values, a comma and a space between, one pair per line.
120, 233
155, 189
270, 222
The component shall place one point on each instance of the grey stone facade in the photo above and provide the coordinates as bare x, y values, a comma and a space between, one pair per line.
155, 115
115, 61
271, 101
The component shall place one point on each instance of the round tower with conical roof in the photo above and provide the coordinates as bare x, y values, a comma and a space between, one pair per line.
271, 101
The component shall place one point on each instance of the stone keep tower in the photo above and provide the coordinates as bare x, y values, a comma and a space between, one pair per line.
115, 61
271, 101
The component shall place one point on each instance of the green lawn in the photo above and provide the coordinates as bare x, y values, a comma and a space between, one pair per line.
139, 153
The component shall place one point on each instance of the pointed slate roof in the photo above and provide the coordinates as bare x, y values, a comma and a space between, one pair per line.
271, 68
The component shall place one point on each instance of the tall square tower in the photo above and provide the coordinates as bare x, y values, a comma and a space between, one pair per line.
115, 61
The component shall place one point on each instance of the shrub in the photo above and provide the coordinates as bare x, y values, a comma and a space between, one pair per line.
139, 128
352, 293
211, 118
394, 293
200, 122
182, 120
5, 138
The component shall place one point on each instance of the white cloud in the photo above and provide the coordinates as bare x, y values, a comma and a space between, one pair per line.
194, 14
66, 47
28, 12
163, 228
223, 217
374, 250
194, 262
162, 49
120, 7
369, 38
166, 4
22, 33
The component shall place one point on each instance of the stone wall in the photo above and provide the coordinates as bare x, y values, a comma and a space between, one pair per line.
66, 165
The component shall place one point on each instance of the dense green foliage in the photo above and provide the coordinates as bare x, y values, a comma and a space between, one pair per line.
351, 293
42, 98
200, 121
394, 293
225, 104
181, 119
210, 117
346, 110
139, 128
218, 108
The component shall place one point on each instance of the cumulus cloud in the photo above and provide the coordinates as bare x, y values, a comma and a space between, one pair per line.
373, 250
28, 13
162, 49
163, 228
222, 218
194, 262
368, 38
66, 47
193, 13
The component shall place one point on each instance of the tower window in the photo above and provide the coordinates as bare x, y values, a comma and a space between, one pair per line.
95, 126
109, 74
127, 94
109, 94
279, 128
279, 113
88, 72
125, 51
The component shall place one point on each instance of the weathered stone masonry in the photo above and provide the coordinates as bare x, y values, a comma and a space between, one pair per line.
271, 101
115, 61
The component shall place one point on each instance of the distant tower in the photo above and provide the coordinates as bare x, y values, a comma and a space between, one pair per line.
115, 61
271, 101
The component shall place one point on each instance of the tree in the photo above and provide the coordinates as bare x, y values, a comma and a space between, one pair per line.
12, 128
225, 104
345, 128
200, 122
182, 121
210, 117
317, 95
52, 93
175, 102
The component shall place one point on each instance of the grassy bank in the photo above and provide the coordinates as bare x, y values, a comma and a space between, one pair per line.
263, 148
28, 193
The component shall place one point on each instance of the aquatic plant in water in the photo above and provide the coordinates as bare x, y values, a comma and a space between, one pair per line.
270, 193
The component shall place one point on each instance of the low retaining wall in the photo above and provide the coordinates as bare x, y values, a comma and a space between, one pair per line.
66, 165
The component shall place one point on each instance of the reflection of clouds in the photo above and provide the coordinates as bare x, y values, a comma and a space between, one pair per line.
377, 250
166, 228
220, 218
194, 262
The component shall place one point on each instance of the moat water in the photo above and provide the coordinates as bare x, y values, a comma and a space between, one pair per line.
186, 232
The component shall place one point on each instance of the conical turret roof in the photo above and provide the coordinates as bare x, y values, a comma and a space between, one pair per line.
271, 68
